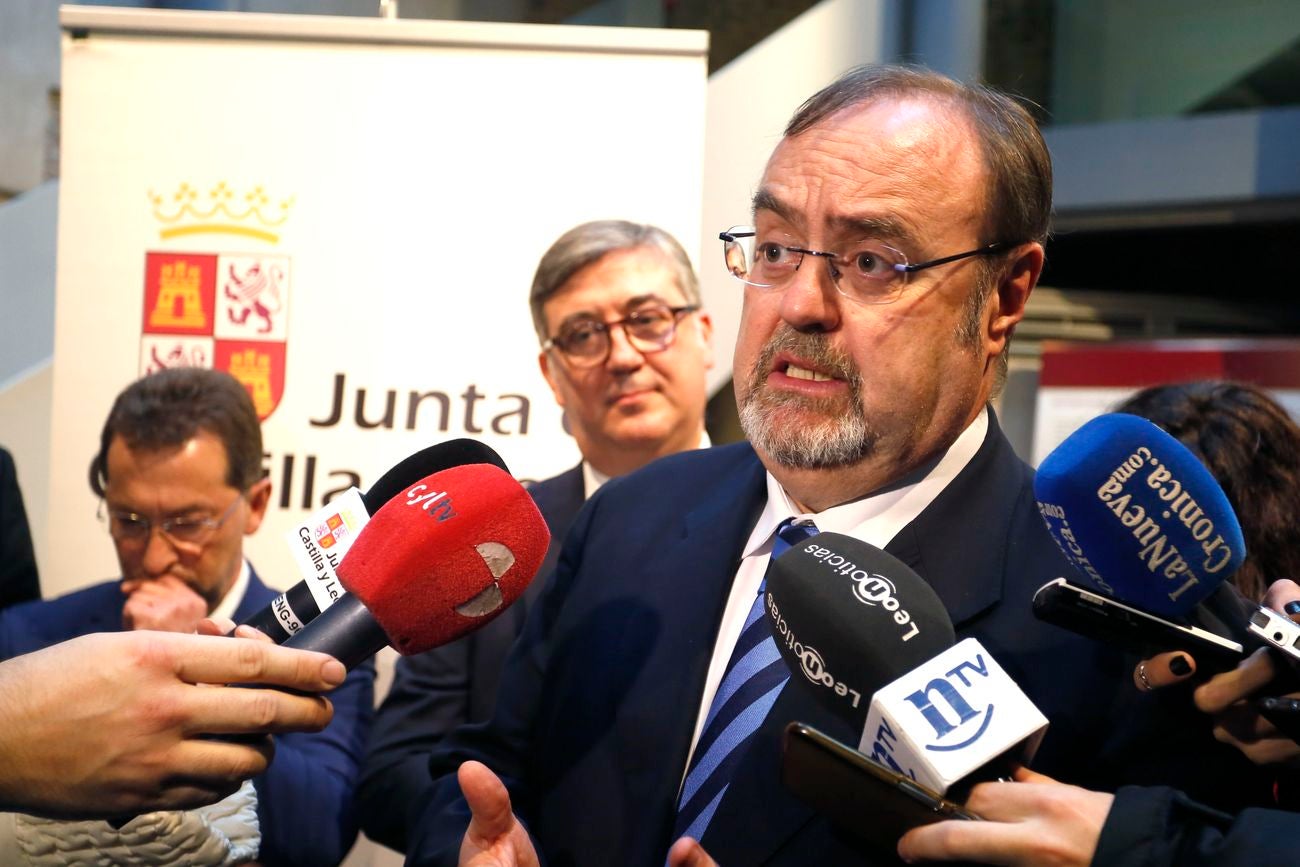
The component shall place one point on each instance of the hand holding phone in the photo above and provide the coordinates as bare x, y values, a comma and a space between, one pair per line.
1278, 630
860, 795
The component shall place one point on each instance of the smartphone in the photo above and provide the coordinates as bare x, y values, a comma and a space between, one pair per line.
860, 795
1278, 630
1109, 620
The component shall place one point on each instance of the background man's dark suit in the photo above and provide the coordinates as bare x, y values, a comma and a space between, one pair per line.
19, 580
600, 695
443, 688
311, 779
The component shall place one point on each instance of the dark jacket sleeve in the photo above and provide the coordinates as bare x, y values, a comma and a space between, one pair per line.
435, 692
505, 742
1161, 827
429, 697
305, 799
19, 581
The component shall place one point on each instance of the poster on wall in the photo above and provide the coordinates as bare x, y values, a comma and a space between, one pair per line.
345, 214
1080, 381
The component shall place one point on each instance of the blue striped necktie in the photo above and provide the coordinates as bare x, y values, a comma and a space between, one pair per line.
753, 679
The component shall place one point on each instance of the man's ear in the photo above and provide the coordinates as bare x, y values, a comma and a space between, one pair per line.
1012, 294
258, 496
704, 326
544, 362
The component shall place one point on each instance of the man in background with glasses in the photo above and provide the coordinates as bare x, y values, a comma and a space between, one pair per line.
179, 471
625, 348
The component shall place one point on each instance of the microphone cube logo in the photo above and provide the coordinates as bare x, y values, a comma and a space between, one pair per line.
949, 716
320, 542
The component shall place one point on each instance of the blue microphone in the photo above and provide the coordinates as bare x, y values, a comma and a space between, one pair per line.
1138, 515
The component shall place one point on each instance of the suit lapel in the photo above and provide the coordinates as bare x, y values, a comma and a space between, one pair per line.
686, 583
256, 596
949, 549
558, 499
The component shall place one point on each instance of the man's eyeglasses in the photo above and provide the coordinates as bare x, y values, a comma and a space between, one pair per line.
183, 532
869, 273
586, 342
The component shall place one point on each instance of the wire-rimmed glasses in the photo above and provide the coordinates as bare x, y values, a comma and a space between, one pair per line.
870, 272
183, 531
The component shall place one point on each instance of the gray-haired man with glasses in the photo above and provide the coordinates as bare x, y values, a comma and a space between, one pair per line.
179, 471
625, 345
625, 348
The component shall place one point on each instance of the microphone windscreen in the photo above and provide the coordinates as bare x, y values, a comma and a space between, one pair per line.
849, 618
1136, 513
429, 460
446, 555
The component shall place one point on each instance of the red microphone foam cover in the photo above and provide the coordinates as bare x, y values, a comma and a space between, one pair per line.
447, 555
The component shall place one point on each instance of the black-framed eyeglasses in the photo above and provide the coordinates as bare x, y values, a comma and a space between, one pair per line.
585, 341
870, 273
182, 531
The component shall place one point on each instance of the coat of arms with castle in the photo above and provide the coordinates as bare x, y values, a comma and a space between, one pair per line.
223, 310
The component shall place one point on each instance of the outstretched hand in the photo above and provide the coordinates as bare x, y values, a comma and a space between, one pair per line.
495, 837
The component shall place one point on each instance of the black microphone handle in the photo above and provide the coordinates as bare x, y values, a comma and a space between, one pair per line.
296, 603
346, 631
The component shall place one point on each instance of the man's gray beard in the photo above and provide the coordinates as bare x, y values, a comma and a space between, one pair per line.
842, 438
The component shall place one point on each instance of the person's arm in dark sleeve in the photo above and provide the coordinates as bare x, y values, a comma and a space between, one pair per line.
1161, 827
506, 743
441, 816
429, 698
305, 800
19, 580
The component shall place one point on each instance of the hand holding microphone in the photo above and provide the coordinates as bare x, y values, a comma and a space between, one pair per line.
1031, 821
112, 724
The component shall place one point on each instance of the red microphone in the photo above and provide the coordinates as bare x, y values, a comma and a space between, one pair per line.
438, 561
302, 603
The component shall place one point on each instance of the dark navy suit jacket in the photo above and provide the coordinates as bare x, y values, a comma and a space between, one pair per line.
19, 580
1160, 827
304, 800
436, 691
599, 697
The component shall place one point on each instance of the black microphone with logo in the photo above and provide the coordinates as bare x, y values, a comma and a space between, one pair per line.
874, 643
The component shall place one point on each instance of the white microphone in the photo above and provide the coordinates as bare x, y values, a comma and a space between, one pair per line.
956, 718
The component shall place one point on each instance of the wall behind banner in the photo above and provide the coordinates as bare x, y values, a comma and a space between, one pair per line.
366, 199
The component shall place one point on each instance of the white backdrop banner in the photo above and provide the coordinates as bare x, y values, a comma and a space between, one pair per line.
346, 214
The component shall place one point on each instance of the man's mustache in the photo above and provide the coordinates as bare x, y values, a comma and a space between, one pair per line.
811, 347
